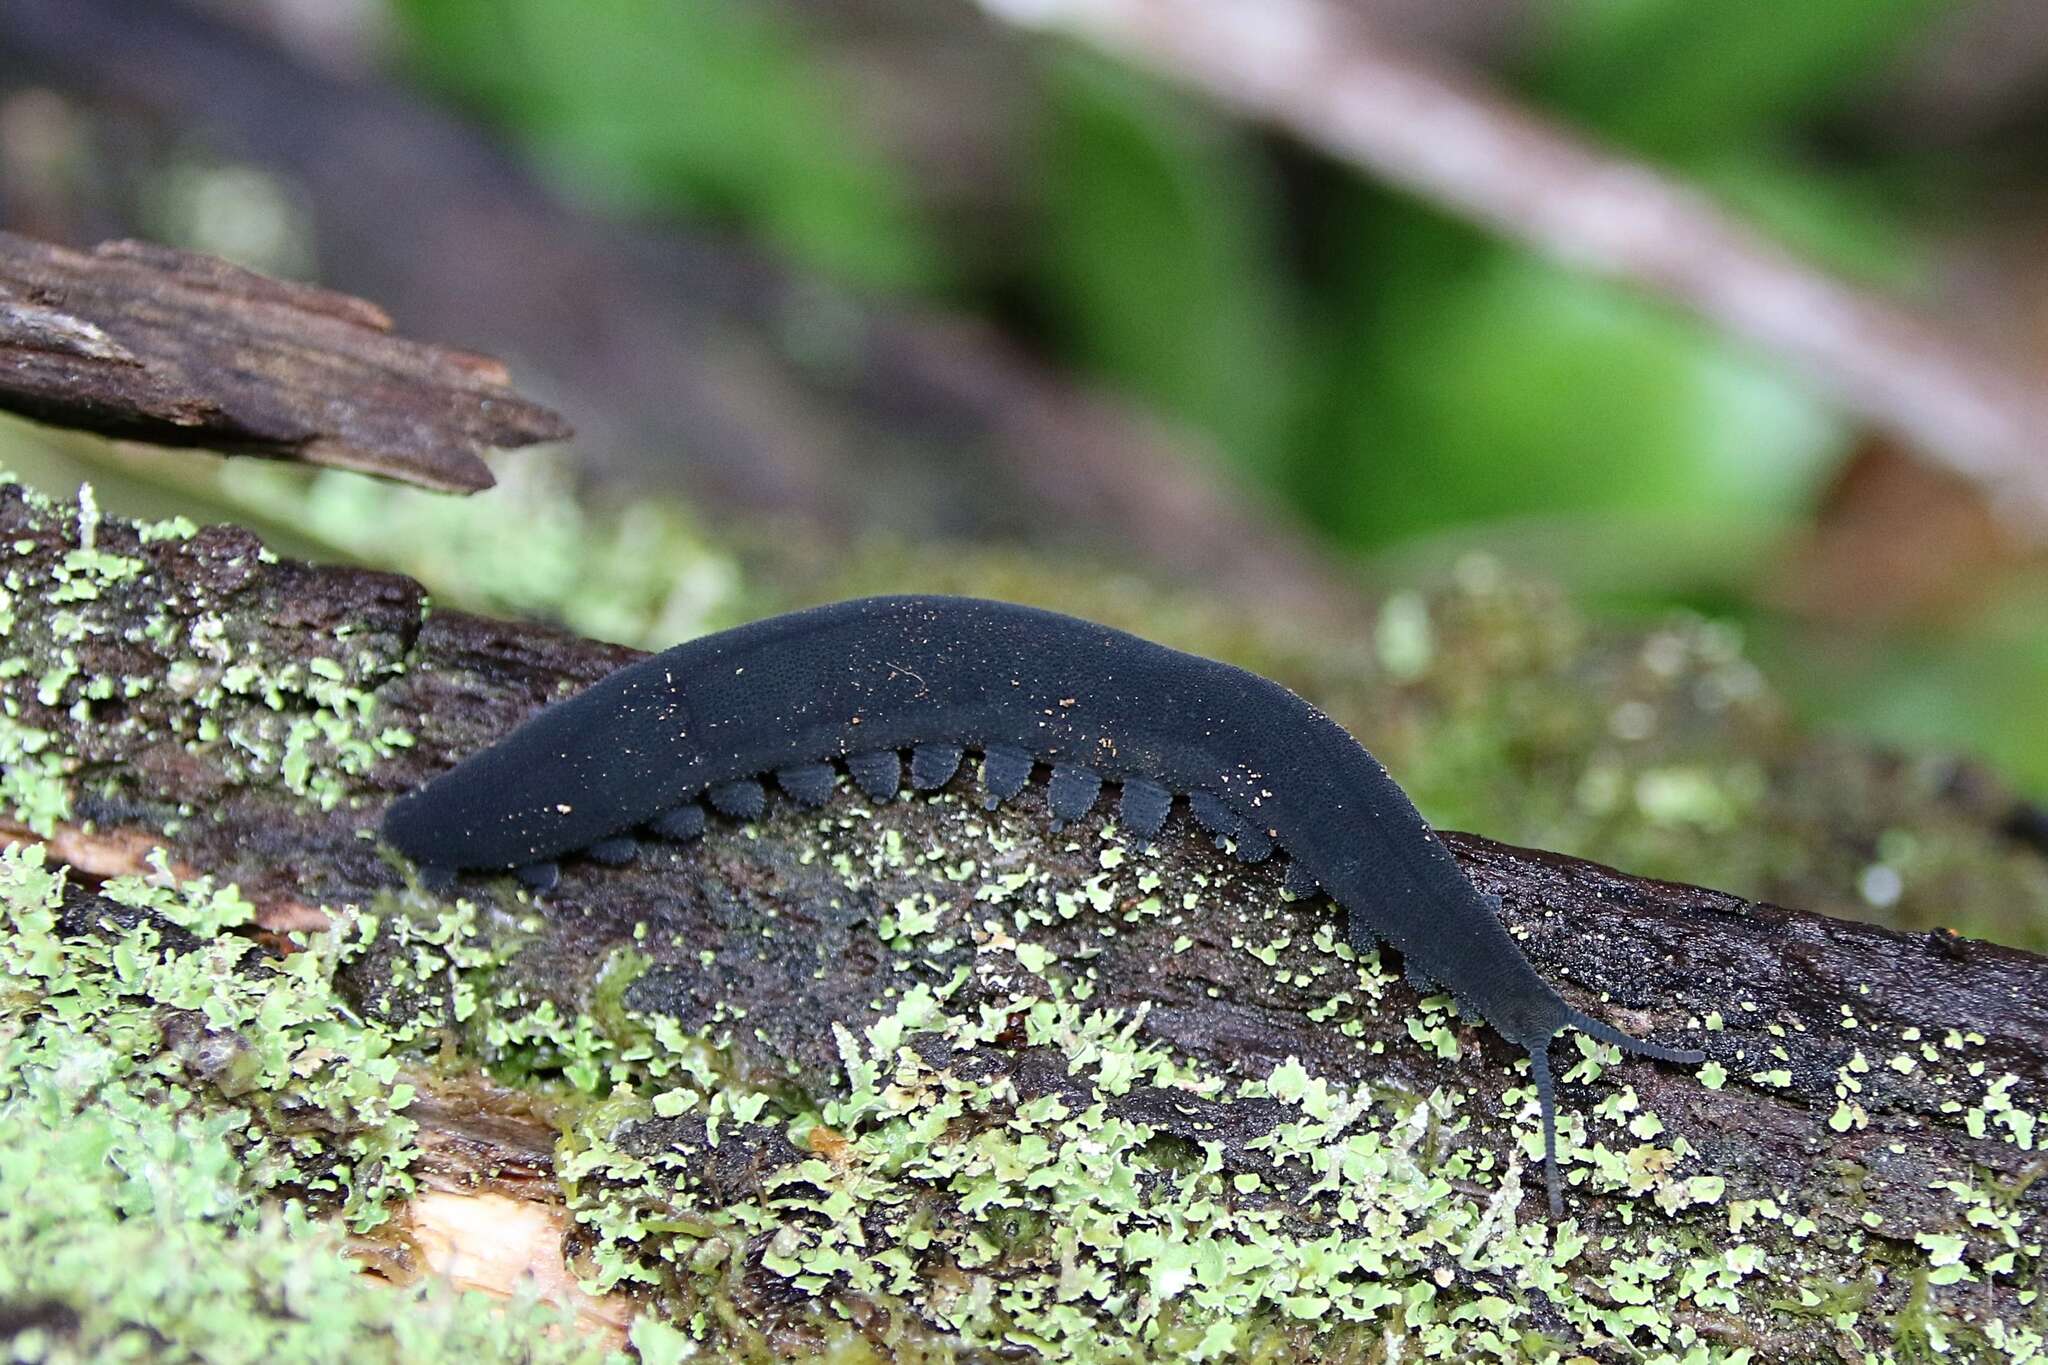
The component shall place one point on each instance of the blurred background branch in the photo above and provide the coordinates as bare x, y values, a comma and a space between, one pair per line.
1311, 67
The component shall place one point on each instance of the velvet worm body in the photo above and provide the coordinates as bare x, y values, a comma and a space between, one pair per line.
861, 682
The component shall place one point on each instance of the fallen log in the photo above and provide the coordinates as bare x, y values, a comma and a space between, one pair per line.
935, 1077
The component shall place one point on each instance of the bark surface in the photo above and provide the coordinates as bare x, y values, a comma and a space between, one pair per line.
151, 344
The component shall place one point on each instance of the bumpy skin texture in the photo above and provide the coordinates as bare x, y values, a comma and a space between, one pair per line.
890, 673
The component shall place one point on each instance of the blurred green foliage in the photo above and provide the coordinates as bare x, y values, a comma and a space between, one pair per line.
1470, 383
697, 105
1405, 381
1401, 374
1675, 77
1974, 684
1160, 261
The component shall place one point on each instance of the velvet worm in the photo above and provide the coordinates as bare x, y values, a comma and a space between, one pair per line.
862, 683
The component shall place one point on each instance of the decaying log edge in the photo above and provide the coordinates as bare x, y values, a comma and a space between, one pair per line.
252, 715
146, 343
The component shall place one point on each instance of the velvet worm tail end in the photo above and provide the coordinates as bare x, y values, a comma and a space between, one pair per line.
1546, 1100
1546, 1090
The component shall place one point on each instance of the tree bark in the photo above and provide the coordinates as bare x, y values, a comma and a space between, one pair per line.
150, 344
1867, 1123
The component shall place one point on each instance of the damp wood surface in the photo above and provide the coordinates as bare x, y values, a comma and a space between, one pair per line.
1854, 1168
147, 343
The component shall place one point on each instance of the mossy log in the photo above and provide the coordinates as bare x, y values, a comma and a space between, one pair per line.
926, 1077
143, 342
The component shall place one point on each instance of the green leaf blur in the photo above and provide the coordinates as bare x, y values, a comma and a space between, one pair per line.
693, 105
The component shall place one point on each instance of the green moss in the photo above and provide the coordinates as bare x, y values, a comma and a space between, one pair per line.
181, 1123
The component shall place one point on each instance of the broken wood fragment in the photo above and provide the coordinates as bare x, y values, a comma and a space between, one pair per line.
147, 343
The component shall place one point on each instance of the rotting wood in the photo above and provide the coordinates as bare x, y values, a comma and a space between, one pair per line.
147, 343
1877, 1092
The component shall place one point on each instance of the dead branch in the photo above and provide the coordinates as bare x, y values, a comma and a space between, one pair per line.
1309, 66
149, 344
1872, 1102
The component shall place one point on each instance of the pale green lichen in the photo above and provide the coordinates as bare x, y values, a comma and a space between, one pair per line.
34, 776
1441, 1259
336, 738
974, 1214
309, 725
176, 1122
272, 1027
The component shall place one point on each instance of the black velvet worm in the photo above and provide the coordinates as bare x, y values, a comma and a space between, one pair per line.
862, 682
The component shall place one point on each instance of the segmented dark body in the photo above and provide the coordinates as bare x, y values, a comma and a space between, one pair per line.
860, 681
